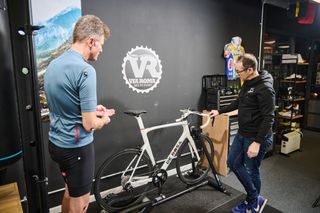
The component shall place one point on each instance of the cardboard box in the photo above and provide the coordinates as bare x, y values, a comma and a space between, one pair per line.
10, 199
219, 133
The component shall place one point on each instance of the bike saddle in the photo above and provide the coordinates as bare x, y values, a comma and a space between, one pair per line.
135, 112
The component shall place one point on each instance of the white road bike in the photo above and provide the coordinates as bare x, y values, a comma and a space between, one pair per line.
124, 178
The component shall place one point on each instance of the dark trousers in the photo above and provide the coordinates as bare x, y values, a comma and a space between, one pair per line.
247, 169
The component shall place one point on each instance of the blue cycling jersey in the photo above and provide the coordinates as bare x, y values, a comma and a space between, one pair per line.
70, 88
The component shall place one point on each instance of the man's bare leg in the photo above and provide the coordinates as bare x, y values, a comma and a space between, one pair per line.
79, 204
65, 200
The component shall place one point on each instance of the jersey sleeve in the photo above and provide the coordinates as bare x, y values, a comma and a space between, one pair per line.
88, 90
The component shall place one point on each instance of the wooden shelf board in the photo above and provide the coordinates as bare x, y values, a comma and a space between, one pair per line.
295, 99
293, 117
294, 81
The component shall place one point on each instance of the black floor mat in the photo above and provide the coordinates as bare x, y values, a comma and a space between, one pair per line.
204, 199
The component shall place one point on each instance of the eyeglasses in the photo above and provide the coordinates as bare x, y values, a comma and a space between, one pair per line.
240, 71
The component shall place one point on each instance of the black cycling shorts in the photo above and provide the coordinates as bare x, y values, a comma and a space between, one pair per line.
77, 164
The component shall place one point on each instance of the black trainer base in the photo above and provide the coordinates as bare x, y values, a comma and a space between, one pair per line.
148, 203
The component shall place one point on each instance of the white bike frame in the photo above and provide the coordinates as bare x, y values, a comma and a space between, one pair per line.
141, 180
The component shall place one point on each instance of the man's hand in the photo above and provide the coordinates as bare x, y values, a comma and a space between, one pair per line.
100, 111
110, 112
253, 150
105, 119
214, 113
103, 111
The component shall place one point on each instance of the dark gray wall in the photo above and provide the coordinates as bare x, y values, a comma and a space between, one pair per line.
188, 37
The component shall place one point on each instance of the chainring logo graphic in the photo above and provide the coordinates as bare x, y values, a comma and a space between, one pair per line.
142, 69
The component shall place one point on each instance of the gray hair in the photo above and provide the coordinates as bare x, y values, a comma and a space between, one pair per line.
90, 25
248, 61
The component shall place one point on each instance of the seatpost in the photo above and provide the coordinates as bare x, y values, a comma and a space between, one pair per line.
140, 122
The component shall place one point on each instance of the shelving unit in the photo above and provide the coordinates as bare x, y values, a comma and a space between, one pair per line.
217, 91
291, 95
313, 89
217, 101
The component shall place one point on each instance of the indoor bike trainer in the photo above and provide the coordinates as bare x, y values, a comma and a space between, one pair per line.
214, 181
132, 183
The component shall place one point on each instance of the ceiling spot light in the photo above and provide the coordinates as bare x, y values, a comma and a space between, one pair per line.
284, 46
270, 42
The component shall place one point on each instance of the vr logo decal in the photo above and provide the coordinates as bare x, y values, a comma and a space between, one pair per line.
142, 69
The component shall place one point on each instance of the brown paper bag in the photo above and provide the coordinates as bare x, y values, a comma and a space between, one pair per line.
218, 133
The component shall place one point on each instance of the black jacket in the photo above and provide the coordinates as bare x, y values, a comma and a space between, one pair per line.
256, 103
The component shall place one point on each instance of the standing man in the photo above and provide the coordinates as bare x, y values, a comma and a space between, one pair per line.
70, 87
255, 106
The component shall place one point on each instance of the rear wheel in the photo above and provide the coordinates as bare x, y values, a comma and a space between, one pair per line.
112, 190
190, 169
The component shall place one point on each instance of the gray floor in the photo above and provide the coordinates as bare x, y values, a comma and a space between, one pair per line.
291, 183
